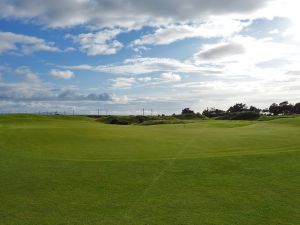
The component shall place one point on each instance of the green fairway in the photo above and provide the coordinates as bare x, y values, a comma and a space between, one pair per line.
77, 171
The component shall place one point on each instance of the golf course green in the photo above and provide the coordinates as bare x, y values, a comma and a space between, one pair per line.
68, 170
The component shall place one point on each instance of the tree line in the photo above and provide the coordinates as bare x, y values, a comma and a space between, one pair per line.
239, 111
242, 111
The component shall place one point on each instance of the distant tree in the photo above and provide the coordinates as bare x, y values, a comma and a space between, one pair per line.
198, 114
283, 103
286, 108
289, 109
238, 107
188, 114
254, 109
274, 109
297, 108
213, 112
187, 111
245, 115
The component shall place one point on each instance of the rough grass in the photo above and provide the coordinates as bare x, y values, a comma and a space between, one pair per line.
144, 120
74, 170
157, 122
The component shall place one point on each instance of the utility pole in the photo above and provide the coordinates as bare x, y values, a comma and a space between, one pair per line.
151, 112
143, 112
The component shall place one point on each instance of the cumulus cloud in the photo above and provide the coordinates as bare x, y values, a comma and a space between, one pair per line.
31, 89
75, 95
221, 51
26, 91
99, 43
62, 74
100, 97
3, 68
19, 43
207, 29
144, 79
123, 82
293, 72
129, 82
137, 66
56, 13
22, 91
170, 77
242, 50
23, 72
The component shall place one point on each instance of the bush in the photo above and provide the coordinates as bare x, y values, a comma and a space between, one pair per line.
238, 107
248, 115
127, 120
190, 116
187, 111
213, 112
116, 120
297, 108
157, 122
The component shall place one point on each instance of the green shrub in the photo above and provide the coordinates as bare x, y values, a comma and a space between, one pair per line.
247, 115
116, 120
157, 122
127, 120
189, 116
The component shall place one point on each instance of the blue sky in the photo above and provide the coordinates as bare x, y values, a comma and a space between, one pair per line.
123, 56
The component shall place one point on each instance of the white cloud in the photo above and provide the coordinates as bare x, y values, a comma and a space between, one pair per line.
99, 43
170, 77
57, 13
129, 82
31, 89
293, 72
25, 72
28, 87
217, 27
221, 94
144, 79
3, 68
245, 50
18, 43
26, 91
137, 66
220, 51
123, 82
29, 75
62, 74
274, 31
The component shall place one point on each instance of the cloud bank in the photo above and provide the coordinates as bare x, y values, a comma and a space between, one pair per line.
19, 43
124, 13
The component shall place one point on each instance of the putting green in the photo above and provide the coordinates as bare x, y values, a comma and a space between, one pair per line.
74, 170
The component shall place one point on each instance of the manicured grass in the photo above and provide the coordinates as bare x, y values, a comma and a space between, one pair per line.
76, 171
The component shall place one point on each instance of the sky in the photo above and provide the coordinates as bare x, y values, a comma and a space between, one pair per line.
120, 56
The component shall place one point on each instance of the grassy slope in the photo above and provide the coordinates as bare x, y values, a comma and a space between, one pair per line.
64, 170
